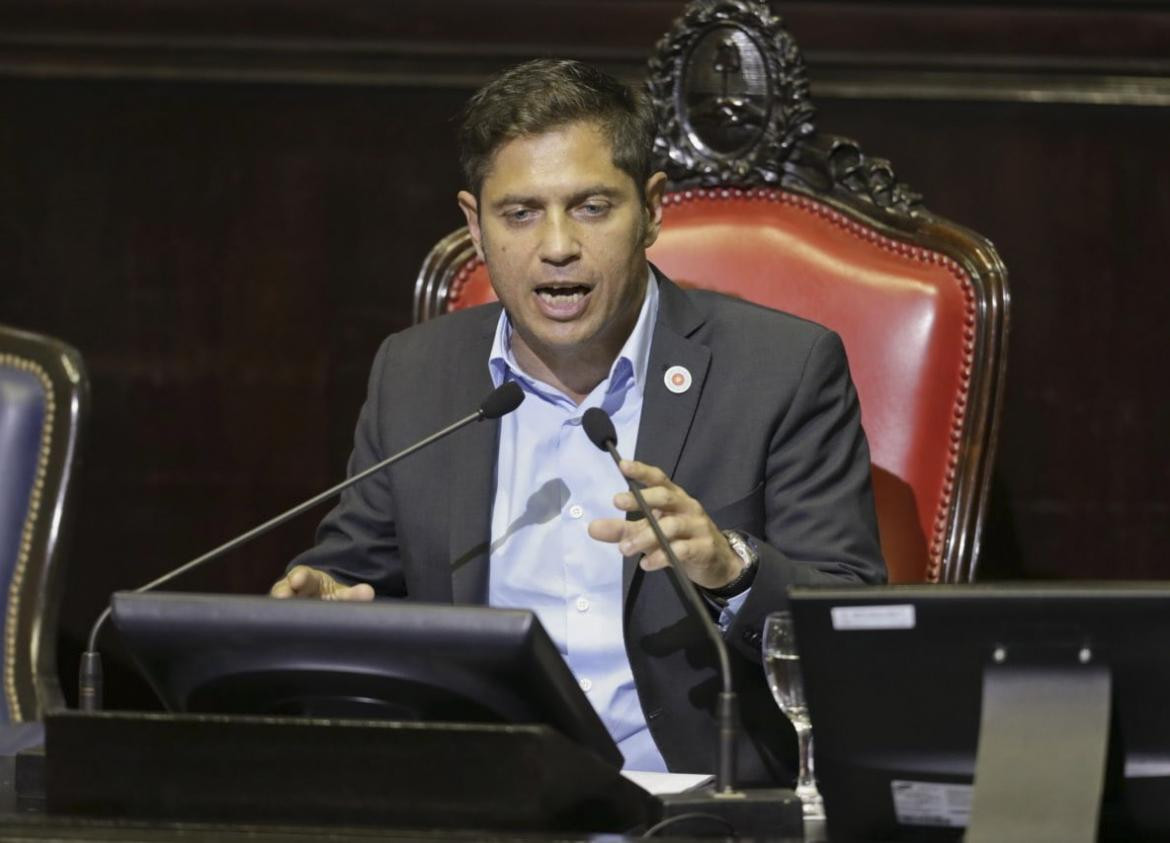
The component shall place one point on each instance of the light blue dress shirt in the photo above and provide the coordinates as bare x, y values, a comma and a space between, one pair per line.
550, 482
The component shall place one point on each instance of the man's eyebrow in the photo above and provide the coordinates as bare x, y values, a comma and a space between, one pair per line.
603, 190
515, 199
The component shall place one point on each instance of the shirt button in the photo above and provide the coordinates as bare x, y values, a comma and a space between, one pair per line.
576, 510
586, 685
582, 604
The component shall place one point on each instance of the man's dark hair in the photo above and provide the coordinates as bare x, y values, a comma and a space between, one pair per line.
546, 94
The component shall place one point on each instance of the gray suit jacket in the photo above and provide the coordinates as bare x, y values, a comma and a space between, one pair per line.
768, 438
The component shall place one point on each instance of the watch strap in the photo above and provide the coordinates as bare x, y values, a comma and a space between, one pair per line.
742, 545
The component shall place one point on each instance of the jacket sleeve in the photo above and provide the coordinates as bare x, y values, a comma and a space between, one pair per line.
358, 540
820, 522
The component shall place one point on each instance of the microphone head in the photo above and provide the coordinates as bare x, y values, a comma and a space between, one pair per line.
503, 400
599, 428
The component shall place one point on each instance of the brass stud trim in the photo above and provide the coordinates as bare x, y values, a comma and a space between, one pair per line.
12, 625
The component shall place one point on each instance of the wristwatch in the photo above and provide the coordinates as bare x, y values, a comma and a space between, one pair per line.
743, 547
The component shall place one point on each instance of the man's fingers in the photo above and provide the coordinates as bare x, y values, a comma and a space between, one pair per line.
629, 534
360, 593
684, 549
692, 536
659, 492
640, 536
299, 582
654, 561
647, 475
656, 497
625, 501
363, 592
608, 529
303, 581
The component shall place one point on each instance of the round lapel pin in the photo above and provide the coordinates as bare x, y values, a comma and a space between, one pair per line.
677, 379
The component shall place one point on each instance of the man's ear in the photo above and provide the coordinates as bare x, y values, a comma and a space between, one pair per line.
470, 208
655, 191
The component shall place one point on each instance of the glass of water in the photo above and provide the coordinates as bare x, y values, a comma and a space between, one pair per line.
782, 666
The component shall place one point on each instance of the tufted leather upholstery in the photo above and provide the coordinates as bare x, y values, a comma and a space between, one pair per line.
902, 312
43, 396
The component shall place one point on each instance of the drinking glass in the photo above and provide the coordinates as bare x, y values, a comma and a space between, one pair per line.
782, 666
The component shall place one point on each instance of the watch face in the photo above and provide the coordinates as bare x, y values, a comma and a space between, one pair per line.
742, 549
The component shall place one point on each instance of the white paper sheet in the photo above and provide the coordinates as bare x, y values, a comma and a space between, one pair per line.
659, 783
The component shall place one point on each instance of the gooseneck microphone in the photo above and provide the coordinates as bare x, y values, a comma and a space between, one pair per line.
599, 428
756, 812
502, 400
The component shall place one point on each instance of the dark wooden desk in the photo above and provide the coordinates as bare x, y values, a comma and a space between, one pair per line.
29, 819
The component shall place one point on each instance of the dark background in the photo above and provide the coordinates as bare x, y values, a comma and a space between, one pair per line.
224, 205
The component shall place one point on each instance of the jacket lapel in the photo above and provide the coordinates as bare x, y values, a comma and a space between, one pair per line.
662, 433
473, 460
666, 415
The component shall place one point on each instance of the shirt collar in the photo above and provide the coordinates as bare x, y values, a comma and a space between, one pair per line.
634, 354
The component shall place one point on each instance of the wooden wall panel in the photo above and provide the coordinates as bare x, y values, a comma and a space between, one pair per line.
223, 205
227, 259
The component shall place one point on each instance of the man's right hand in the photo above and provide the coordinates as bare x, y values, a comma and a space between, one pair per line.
303, 581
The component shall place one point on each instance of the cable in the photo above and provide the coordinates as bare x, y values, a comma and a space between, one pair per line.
695, 815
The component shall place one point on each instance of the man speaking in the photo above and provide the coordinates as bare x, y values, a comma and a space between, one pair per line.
743, 422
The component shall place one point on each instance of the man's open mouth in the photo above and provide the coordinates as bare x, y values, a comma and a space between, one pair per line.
564, 294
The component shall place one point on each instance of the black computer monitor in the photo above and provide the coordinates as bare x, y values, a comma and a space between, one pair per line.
895, 678
214, 653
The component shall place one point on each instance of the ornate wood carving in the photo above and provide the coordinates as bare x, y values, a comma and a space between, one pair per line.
731, 95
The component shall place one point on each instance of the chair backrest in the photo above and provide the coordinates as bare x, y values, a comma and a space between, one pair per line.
763, 206
43, 405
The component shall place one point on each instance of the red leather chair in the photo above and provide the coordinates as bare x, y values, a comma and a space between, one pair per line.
805, 222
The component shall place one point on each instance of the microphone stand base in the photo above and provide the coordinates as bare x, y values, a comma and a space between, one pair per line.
773, 814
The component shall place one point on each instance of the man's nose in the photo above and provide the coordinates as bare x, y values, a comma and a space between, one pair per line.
559, 243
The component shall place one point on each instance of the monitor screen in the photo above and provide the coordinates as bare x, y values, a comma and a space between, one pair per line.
388, 659
894, 683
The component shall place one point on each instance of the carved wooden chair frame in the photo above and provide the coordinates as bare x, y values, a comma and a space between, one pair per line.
31, 684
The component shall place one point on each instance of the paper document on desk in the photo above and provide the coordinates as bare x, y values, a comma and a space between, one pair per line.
660, 783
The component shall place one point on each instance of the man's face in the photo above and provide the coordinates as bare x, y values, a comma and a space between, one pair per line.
564, 234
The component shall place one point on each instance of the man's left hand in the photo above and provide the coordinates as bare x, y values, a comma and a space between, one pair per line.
696, 541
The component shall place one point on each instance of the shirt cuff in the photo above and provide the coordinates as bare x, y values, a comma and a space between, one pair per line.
731, 608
